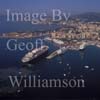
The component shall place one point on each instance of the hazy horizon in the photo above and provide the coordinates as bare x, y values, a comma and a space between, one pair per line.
72, 6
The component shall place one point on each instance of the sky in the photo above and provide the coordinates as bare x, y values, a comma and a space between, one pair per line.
73, 6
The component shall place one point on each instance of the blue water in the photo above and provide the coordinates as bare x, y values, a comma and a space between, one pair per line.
72, 63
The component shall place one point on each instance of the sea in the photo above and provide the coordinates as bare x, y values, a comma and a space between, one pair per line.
72, 64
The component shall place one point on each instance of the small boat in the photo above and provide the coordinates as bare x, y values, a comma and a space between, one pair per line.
82, 46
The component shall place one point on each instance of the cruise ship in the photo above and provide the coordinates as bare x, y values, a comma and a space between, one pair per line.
35, 53
57, 52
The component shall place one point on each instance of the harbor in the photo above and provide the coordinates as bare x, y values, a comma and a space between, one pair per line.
61, 65
63, 48
73, 45
50, 49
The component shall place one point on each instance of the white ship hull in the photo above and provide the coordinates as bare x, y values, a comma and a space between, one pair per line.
57, 52
34, 54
